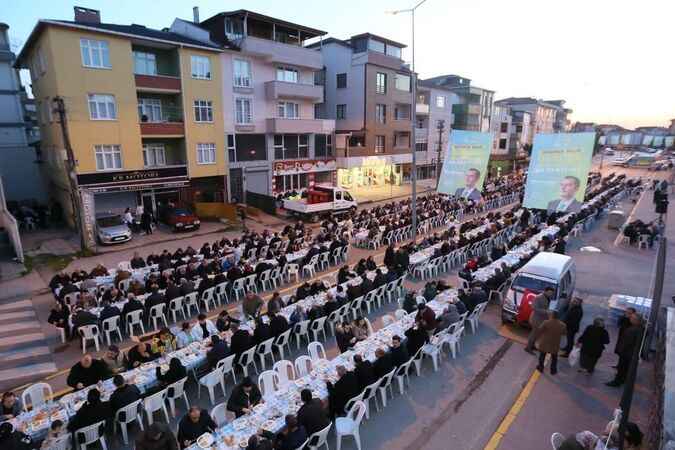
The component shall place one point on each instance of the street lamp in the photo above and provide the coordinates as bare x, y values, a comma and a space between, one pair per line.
413, 116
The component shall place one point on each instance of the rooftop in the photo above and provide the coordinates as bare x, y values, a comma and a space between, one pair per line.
254, 15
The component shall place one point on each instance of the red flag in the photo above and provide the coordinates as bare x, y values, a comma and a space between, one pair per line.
525, 307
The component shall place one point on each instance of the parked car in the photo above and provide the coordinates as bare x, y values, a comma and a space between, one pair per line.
181, 219
110, 229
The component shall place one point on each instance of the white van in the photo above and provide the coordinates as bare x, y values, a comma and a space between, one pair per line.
544, 270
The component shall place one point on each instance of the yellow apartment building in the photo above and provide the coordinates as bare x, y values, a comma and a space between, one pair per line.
143, 114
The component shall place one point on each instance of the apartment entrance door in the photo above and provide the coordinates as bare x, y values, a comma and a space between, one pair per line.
236, 185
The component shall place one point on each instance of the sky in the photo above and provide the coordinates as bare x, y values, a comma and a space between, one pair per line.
611, 60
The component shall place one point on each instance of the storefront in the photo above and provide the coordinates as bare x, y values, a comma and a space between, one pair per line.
371, 171
293, 175
113, 192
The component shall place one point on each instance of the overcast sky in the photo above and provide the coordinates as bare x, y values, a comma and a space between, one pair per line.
613, 61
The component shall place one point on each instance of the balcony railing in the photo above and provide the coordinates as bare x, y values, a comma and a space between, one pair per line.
160, 120
279, 52
157, 83
283, 89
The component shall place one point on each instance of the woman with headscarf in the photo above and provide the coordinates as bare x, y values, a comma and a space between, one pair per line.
592, 342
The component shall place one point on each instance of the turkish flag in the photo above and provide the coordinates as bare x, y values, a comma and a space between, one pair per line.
525, 307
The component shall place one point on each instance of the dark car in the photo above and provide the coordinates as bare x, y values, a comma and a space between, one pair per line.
180, 219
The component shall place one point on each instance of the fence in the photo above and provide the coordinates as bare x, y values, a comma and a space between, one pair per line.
262, 202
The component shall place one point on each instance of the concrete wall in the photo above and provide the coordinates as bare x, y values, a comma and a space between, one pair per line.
338, 59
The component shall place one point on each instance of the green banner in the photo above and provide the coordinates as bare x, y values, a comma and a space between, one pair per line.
465, 165
559, 165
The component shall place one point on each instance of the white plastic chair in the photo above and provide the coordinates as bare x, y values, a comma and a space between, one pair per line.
557, 440
263, 350
176, 306
91, 434
226, 365
292, 270
286, 372
350, 425
452, 337
268, 382
402, 375
319, 439
385, 383
208, 297
190, 301
301, 330
176, 391
283, 341
316, 351
309, 269
238, 288
221, 415
246, 359
220, 293
135, 318
475, 316
36, 395
111, 325
303, 365
89, 333
130, 413
157, 313
153, 403
318, 326
210, 381
61, 443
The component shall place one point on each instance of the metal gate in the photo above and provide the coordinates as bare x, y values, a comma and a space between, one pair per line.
237, 185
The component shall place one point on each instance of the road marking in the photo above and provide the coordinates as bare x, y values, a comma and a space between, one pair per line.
24, 353
16, 305
22, 338
506, 423
17, 315
27, 371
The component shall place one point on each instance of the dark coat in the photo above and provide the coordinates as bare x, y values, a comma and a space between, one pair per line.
239, 400
89, 414
417, 337
399, 355
240, 342
123, 396
217, 352
573, 318
342, 391
365, 373
313, 416
190, 431
593, 341
383, 365
98, 371
278, 325
166, 442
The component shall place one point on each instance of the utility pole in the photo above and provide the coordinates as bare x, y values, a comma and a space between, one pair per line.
441, 128
76, 201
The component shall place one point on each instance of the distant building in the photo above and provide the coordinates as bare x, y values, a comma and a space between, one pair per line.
620, 138
369, 94
511, 134
546, 116
433, 126
583, 127
473, 108
20, 172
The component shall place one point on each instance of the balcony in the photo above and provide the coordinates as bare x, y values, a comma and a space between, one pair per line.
157, 83
421, 134
163, 153
283, 89
422, 108
298, 126
278, 52
160, 121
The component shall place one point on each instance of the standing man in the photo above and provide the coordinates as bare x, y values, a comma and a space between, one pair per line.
632, 338
548, 336
538, 316
572, 320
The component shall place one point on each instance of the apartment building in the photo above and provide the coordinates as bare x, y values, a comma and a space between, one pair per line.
473, 108
275, 141
546, 116
18, 167
143, 109
433, 124
368, 93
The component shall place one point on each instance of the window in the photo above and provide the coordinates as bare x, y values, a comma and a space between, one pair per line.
504, 127
231, 148
102, 107
402, 112
287, 110
150, 109
394, 51
95, 53
153, 155
234, 28
381, 83
296, 182
201, 67
519, 128
291, 146
41, 62
108, 157
340, 112
381, 113
402, 82
243, 112
502, 144
379, 144
323, 145
145, 63
375, 45
341, 80
47, 111
203, 111
206, 153
440, 101
242, 73
402, 140
287, 74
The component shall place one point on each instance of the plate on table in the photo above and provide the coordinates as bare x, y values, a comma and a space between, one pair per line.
239, 424
243, 443
258, 408
269, 425
205, 440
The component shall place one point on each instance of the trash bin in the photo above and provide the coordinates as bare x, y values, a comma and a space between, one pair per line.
616, 219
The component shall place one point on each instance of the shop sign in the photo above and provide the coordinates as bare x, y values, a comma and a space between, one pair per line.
130, 176
88, 217
303, 166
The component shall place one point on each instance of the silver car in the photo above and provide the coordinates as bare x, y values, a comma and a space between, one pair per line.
110, 229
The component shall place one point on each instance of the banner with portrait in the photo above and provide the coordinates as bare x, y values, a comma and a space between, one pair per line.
559, 165
465, 164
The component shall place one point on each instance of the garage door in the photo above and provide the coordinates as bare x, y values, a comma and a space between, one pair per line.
258, 182
115, 202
